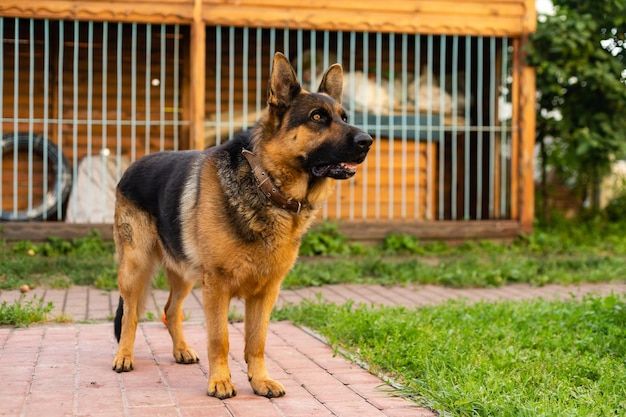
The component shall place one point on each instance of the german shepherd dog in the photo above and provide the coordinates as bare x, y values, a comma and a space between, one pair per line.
232, 217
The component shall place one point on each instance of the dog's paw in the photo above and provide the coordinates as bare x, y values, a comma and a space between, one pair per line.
267, 388
186, 356
123, 363
221, 388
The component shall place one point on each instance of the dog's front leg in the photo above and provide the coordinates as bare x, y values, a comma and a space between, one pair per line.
258, 310
216, 304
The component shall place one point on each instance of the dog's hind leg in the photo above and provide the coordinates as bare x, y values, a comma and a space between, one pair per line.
133, 294
179, 289
258, 310
138, 259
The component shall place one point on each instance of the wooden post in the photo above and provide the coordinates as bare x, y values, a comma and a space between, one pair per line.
527, 150
497, 152
528, 99
515, 132
197, 78
527, 142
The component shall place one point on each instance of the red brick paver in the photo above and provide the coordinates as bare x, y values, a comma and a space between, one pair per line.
65, 370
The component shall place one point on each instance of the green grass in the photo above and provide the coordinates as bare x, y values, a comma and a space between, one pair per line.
24, 312
57, 263
468, 270
532, 358
594, 251
565, 253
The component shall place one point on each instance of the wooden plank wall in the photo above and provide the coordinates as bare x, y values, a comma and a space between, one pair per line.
375, 193
142, 11
475, 17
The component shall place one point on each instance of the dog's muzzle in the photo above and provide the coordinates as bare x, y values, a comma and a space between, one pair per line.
346, 169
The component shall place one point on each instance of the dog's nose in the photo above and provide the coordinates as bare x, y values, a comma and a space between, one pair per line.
363, 140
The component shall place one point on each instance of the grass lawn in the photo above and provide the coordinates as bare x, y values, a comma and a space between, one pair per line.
586, 252
531, 358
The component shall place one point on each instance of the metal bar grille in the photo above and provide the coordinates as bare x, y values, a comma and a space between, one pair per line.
437, 106
79, 102
431, 102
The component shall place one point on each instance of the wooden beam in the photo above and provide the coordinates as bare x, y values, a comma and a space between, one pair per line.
527, 149
139, 11
523, 138
448, 230
365, 231
453, 17
530, 17
469, 17
197, 78
40, 231
515, 133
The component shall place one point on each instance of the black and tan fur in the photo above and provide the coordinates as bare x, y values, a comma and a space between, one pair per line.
204, 218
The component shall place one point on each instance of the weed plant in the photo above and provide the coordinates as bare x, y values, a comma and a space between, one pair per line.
326, 240
56, 262
24, 312
59, 263
529, 358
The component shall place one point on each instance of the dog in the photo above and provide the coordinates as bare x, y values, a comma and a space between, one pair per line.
232, 218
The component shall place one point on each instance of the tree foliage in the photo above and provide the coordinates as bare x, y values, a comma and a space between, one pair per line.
580, 56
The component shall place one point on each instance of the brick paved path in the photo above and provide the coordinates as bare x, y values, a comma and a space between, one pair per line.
64, 370
86, 304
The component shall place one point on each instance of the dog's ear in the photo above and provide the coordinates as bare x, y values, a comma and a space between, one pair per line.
332, 82
284, 85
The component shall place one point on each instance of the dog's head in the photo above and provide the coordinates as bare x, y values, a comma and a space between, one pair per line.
310, 130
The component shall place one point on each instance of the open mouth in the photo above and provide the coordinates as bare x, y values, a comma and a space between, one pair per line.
340, 171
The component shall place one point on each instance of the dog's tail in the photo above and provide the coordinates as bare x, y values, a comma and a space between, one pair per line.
118, 319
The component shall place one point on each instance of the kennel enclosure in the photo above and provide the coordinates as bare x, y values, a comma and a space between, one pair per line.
442, 87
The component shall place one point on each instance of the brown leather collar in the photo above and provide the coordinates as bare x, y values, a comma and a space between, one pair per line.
268, 188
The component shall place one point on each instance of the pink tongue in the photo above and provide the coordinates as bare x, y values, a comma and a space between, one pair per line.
350, 165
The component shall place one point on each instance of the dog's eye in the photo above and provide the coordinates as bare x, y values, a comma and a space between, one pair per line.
344, 118
317, 116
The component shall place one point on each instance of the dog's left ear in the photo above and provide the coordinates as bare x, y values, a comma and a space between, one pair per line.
332, 82
284, 85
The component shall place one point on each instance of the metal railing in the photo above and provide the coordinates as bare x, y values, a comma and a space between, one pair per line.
103, 94
450, 94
